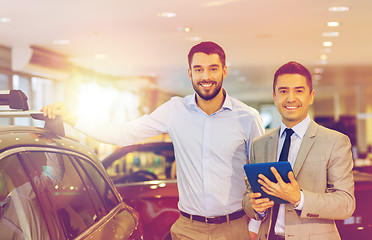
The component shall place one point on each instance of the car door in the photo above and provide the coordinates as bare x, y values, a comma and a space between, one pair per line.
59, 195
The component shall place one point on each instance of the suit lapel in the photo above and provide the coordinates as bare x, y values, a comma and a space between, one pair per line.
306, 144
272, 145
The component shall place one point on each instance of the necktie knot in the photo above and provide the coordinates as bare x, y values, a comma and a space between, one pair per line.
288, 132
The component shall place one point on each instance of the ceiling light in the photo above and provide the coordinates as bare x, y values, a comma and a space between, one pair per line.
5, 20
339, 9
330, 34
327, 44
61, 42
167, 14
333, 24
182, 29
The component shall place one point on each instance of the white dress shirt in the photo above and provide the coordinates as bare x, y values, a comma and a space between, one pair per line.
296, 140
210, 150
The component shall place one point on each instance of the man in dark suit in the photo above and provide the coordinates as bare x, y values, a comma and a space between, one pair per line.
321, 187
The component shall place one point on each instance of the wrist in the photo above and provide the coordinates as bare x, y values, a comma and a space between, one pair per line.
296, 203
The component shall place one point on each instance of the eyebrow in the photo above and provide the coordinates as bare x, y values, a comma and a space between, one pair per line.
200, 66
281, 88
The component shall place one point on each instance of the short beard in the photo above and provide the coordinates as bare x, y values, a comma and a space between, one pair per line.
210, 96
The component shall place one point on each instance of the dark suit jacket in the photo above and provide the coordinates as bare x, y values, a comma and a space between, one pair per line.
323, 169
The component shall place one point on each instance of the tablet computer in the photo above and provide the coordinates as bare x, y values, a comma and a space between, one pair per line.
253, 170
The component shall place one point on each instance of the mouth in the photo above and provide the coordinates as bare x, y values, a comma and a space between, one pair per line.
206, 84
291, 107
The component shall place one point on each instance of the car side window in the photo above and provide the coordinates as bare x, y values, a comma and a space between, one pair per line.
21, 216
105, 197
65, 190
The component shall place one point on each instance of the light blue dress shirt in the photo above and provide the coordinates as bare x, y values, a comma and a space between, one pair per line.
210, 150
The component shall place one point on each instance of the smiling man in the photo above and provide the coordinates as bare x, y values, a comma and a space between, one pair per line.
321, 187
207, 72
211, 133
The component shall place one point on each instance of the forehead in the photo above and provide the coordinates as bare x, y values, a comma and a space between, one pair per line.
291, 81
202, 59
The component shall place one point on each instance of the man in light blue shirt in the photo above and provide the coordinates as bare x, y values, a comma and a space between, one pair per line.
211, 132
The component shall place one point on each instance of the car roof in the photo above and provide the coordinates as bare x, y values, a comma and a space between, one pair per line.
25, 136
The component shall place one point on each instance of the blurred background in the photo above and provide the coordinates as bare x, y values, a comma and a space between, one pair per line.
118, 59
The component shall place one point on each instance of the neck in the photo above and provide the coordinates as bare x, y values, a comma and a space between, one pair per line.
213, 105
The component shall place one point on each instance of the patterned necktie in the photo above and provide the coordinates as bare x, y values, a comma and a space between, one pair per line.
283, 157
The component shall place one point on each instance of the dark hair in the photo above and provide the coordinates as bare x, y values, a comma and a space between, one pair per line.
207, 48
294, 68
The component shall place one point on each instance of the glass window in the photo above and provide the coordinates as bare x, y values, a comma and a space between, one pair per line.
4, 85
65, 189
107, 198
4, 82
21, 215
44, 92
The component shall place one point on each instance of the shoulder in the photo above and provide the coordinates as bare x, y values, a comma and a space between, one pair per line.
273, 133
177, 103
327, 133
321, 130
176, 100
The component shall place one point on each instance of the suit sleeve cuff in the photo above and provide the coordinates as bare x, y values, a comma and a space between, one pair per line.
301, 204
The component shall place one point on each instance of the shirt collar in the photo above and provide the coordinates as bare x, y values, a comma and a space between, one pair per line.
227, 103
191, 101
299, 129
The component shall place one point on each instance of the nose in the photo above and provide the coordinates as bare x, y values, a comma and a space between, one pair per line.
291, 96
205, 75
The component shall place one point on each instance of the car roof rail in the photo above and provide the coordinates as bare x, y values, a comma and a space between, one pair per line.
15, 99
17, 102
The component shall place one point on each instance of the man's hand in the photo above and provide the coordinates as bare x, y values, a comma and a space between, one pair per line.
260, 204
58, 108
286, 191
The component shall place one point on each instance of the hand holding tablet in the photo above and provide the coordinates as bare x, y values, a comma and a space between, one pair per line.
253, 170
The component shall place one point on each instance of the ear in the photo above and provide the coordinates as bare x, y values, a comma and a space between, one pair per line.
189, 72
312, 94
274, 97
224, 71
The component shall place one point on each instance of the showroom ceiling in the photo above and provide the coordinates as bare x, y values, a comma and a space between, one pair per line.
152, 38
